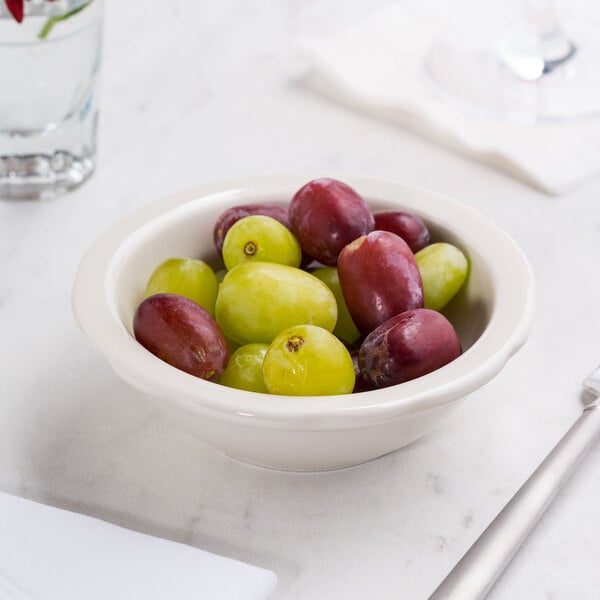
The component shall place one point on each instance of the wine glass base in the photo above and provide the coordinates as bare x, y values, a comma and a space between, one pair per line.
478, 70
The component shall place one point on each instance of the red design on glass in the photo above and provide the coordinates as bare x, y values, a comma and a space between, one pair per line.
15, 7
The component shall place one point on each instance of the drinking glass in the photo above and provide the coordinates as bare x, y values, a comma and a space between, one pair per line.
50, 63
536, 66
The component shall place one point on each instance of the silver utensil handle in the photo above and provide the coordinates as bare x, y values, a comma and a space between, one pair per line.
477, 571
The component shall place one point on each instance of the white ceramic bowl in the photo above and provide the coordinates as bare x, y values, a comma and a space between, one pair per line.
492, 315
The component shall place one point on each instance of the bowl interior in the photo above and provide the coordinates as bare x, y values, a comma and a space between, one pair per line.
187, 232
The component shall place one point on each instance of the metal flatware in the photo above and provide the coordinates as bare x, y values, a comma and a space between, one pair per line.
477, 571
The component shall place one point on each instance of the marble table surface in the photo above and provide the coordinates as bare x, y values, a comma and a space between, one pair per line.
198, 92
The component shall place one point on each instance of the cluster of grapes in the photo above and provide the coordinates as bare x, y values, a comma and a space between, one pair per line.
323, 296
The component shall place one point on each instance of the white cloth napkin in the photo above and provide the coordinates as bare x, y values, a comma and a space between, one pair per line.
377, 66
52, 554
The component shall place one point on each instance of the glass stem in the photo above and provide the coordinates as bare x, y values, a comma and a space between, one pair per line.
553, 45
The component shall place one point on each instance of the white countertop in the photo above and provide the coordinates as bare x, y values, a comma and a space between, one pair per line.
200, 91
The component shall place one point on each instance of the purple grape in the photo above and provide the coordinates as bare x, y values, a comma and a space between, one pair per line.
360, 385
379, 278
407, 346
325, 215
410, 227
181, 333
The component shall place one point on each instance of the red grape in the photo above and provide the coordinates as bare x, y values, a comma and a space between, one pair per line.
407, 346
360, 385
410, 227
325, 215
379, 278
182, 333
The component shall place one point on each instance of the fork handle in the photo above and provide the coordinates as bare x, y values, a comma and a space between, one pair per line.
477, 571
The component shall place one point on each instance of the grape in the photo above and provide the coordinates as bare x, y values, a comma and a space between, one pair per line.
260, 238
407, 346
228, 217
244, 369
360, 385
258, 300
379, 278
182, 333
306, 360
298, 332
187, 277
345, 329
220, 274
444, 269
325, 215
410, 227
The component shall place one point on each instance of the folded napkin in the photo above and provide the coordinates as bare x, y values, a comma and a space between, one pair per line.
378, 66
52, 554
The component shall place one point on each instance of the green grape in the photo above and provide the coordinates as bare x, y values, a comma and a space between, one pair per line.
258, 300
345, 328
443, 269
220, 274
187, 277
244, 369
260, 238
306, 360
